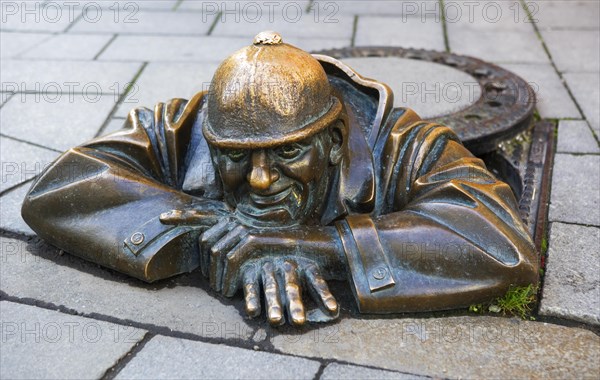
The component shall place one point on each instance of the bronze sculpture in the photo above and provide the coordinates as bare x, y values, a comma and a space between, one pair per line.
291, 171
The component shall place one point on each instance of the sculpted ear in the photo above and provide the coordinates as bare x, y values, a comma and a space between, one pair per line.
337, 133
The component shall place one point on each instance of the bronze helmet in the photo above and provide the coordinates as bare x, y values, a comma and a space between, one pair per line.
267, 94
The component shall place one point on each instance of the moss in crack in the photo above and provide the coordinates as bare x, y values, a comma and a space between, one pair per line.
518, 301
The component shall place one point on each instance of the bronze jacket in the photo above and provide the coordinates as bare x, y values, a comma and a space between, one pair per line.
424, 225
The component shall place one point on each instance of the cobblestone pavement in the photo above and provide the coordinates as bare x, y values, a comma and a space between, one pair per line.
71, 70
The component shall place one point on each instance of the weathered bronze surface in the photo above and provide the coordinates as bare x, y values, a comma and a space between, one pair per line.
291, 171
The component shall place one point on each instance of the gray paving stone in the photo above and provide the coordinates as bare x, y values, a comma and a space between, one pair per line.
244, 6
316, 44
34, 16
69, 46
46, 344
114, 125
454, 347
574, 136
575, 189
15, 43
66, 76
171, 358
336, 371
146, 22
126, 7
173, 48
487, 15
504, 47
572, 283
586, 89
178, 304
54, 120
426, 8
160, 82
553, 100
566, 14
290, 23
10, 212
430, 89
574, 50
22, 161
399, 31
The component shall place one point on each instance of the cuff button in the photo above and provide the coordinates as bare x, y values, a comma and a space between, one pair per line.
137, 238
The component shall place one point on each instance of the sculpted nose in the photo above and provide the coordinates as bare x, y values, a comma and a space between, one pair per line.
261, 175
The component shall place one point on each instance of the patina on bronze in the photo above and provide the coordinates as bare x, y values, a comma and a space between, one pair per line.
291, 171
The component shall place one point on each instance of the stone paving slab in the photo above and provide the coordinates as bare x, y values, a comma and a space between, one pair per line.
15, 43
146, 22
581, 14
399, 31
552, 98
54, 120
336, 371
67, 76
172, 49
170, 358
586, 89
130, 7
575, 189
113, 125
290, 24
431, 89
408, 8
575, 136
46, 344
33, 16
244, 6
572, 280
21, 161
564, 45
504, 47
36, 271
454, 347
487, 15
69, 47
10, 212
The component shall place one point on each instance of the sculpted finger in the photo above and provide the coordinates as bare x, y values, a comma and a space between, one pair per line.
197, 217
210, 237
217, 253
271, 289
320, 288
251, 291
293, 293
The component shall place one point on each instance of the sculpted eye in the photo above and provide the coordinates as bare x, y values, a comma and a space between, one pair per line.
235, 155
289, 151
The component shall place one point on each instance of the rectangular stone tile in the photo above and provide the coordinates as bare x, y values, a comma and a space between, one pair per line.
586, 89
244, 6
316, 44
15, 43
581, 14
35, 270
571, 287
336, 371
114, 125
124, 7
10, 212
171, 358
553, 100
35, 16
160, 82
487, 15
575, 136
293, 22
67, 76
453, 347
574, 50
54, 120
504, 47
46, 344
146, 22
575, 189
172, 49
21, 161
408, 8
69, 46
399, 31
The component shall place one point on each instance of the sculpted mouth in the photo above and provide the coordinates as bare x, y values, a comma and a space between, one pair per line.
270, 200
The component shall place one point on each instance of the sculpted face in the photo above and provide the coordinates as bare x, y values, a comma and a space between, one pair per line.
280, 186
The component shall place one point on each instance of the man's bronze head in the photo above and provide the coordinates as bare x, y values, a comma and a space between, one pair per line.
276, 132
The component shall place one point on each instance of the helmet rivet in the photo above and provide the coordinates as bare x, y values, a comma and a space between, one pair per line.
268, 37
